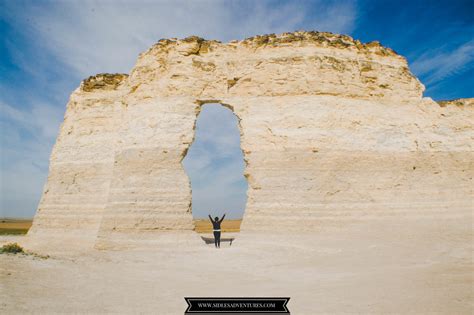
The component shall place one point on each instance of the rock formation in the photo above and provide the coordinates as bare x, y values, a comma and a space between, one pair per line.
333, 132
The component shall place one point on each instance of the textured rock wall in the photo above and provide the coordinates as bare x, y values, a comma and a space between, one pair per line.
333, 132
150, 191
288, 64
80, 170
326, 161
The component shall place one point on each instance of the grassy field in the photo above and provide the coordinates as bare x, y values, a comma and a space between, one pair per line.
14, 226
205, 226
17, 226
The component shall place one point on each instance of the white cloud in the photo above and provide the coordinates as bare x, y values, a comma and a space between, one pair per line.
224, 132
42, 119
435, 66
106, 36
225, 193
25, 144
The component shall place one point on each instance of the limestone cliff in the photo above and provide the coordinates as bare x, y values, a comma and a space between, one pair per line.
333, 132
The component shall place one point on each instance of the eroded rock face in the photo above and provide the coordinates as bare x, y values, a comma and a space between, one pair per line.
103, 81
333, 132
462, 102
302, 63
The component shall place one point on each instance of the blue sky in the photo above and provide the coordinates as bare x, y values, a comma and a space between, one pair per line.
48, 47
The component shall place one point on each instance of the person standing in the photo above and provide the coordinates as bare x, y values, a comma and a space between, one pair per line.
216, 226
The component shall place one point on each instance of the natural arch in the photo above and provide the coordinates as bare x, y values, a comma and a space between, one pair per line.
333, 132
215, 166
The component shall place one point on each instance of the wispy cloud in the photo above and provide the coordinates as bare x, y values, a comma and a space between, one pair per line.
103, 36
25, 144
41, 120
434, 66
56, 43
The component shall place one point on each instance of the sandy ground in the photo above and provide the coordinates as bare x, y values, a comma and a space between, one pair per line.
416, 267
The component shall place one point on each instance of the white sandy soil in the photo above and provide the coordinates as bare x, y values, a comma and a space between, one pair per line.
417, 267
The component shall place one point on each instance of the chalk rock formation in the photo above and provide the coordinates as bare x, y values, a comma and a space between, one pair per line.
333, 132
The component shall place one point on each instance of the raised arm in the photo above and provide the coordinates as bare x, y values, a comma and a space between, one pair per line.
210, 218
222, 218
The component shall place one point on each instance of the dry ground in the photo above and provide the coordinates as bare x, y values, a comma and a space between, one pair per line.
385, 267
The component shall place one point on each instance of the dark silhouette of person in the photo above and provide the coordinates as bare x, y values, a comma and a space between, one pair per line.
216, 226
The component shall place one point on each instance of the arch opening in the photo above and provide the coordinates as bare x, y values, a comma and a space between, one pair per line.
214, 163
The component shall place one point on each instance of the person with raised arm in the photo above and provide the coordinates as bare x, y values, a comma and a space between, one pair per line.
216, 226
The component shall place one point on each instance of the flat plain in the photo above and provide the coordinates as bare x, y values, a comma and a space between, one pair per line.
14, 226
205, 226
379, 267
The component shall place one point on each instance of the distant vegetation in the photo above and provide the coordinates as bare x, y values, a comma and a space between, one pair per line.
18, 227
14, 226
205, 226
